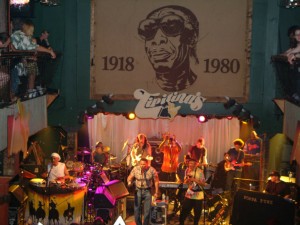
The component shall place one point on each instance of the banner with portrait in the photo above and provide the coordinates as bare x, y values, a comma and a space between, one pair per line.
170, 46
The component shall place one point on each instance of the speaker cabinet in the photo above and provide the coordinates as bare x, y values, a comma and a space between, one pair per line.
117, 189
103, 198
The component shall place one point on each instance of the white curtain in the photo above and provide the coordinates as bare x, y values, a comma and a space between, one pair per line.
115, 130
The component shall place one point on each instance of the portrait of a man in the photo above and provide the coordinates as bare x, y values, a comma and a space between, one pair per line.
171, 34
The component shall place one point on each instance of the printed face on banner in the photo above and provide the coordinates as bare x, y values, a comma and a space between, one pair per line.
170, 35
171, 46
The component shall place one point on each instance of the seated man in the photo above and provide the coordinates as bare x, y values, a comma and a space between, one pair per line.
275, 186
57, 171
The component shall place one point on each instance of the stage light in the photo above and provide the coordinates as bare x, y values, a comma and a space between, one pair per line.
255, 122
289, 3
244, 115
130, 116
229, 117
81, 118
107, 99
230, 102
202, 119
238, 108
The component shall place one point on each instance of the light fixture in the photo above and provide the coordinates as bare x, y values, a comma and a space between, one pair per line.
289, 3
130, 116
255, 122
244, 115
107, 99
50, 2
237, 110
81, 118
18, 2
230, 102
229, 117
202, 119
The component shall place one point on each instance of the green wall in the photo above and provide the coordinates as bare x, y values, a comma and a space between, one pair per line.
69, 25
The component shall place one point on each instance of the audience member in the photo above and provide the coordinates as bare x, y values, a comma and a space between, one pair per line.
42, 40
21, 40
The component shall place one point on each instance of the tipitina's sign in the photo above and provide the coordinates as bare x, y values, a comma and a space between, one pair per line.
166, 105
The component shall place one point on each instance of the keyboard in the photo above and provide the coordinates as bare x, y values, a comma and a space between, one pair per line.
169, 184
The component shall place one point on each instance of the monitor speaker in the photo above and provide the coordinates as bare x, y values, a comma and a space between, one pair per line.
103, 198
117, 189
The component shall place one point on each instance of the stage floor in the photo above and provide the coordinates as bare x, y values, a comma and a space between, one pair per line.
174, 219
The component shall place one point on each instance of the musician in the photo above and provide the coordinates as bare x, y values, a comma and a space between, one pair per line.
275, 186
194, 196
144, 175
234, 162
99, 155
171, 149
253, 145
199, 152
57, 171
181, 168
140, 149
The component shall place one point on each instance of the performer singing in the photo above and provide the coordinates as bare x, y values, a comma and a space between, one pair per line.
171, 149
199, 152
144, 175
194, 194
57, 171
140, 149
234, 163
181, 168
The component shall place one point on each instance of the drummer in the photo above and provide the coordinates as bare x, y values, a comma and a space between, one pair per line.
57, 171
100, 154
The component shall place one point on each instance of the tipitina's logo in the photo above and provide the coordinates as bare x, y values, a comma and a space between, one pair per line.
165, 106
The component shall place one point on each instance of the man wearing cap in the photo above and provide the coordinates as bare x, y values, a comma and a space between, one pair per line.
275, 186
194, 178
235, 157
57, 171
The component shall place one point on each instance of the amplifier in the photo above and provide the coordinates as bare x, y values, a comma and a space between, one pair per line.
158, 215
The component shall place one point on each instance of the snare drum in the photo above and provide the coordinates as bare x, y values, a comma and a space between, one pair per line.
38, 182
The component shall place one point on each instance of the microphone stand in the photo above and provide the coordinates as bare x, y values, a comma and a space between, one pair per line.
47, 190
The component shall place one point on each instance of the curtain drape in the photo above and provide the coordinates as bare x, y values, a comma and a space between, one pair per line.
115, 130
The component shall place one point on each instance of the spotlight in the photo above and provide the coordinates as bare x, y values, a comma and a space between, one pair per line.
202, 119
255, 122
81, 118
230, 102
130, 116
238, 108
244, 115
229, 117
107, 99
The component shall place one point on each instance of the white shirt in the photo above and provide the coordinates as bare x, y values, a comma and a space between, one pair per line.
55, 171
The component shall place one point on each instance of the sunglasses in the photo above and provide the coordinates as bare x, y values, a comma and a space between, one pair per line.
170, 25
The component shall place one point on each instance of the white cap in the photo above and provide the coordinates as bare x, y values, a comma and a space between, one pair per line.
54, 154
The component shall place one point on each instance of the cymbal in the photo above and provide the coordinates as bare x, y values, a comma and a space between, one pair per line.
112, 157
124, 145
83, 153
106, 149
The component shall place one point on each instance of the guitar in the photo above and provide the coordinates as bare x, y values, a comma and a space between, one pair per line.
136, 159
230, 165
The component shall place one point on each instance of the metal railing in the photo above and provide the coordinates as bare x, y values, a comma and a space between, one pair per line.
25, 75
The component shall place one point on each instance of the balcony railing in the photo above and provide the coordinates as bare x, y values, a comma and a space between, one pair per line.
16, 71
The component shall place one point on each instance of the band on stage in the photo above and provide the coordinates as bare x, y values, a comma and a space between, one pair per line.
191, 184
